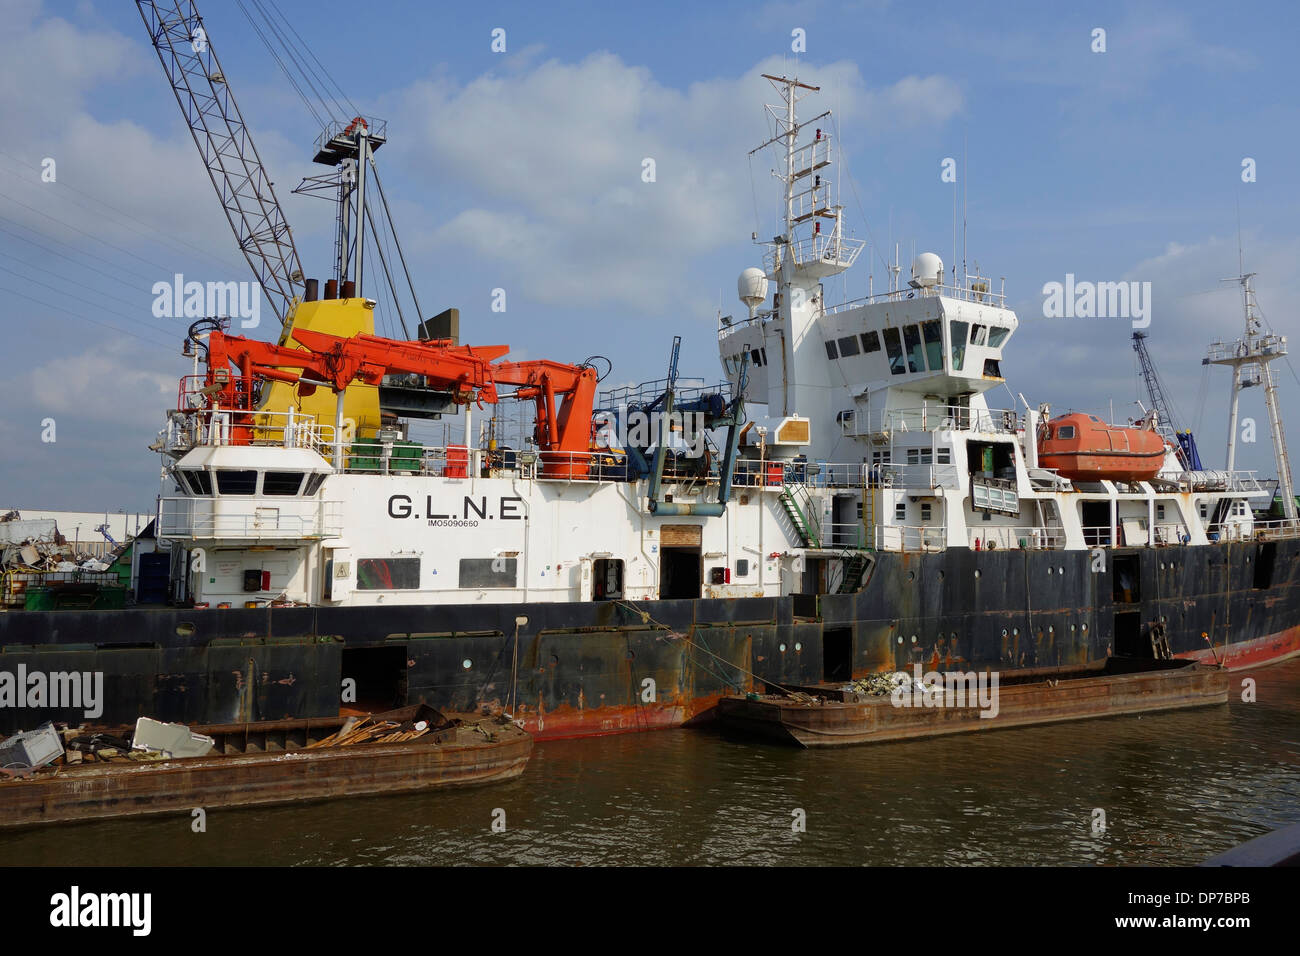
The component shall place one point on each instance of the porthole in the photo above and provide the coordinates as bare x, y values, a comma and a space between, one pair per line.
977, 572
900, 638
1060, 570
1015, 632
798, 647
1084, 627
913, 638
1051, 629
911, 575
467, 663
1004, 632
782, 648
940, 575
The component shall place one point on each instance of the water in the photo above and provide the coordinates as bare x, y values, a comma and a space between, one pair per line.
1176, 788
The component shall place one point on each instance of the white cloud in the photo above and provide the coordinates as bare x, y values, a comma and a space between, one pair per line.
550, 161
113, 383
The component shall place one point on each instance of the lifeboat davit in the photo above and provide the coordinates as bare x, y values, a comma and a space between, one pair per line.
1084, 448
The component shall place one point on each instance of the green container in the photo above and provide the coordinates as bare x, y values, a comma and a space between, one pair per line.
406, 456
108, 597
364, 456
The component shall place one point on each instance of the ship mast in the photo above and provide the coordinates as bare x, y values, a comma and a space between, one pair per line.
804, 253
1249, 357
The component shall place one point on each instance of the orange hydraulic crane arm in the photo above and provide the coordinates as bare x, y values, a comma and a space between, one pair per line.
464, 369
569, 429
254, 359
470, 371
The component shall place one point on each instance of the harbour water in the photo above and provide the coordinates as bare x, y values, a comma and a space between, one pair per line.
1175, 788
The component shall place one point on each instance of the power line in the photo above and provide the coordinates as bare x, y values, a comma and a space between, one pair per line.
148, 231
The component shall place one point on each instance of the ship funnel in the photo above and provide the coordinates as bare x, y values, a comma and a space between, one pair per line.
752, 288
927, 271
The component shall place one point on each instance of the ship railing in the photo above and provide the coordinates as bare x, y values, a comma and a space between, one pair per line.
1274, 529
829, 248
208, 518
845, 534
197, 422
1171, 532
977, 292
910, 537
643, 393
1103, 536
1017, 538
931, 418
1210, 480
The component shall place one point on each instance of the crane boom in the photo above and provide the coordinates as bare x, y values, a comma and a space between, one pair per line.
226, 147
1167, 423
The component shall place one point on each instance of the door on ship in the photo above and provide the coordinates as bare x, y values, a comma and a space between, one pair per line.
681, 563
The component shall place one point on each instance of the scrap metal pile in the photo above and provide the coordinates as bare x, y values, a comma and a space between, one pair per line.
36, 545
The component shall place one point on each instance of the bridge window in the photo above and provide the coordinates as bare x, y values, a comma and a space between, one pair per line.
848, 346
196, 481
894, 348
870, 341
958, 333
313, 482
912, 339
830, 349
236, 482
281, 482
978, 334
933, 334
997, 336
388, 574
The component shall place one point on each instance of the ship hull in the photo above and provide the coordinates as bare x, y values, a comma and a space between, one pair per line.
593, 668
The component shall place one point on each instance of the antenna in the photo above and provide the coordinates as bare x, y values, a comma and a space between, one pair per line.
965, 170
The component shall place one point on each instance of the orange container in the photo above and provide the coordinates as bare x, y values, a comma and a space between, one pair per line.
457, 462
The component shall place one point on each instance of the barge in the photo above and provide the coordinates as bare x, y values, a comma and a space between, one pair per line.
837, 716
275, 762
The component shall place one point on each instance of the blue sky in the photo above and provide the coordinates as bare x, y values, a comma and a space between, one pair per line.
522, 171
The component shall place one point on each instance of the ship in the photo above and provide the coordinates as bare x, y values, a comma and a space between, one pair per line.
843, 501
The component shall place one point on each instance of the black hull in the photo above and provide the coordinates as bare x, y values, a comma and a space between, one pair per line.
585, 668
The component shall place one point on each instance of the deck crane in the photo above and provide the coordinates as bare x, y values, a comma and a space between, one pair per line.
562, 394
308, 353
1167, 422
243, 186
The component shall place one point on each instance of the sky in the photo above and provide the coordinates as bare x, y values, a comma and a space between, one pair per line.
522, 170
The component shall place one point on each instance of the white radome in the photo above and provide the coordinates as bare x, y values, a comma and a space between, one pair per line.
927, 271
752, 287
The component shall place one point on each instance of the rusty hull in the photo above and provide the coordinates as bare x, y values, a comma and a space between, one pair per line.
1023, 700
266, 774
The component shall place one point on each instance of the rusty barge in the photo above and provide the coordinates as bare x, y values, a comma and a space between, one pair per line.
829, 715
276, 762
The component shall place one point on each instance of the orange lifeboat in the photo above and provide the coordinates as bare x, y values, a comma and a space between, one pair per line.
1084, 448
